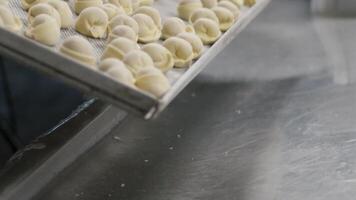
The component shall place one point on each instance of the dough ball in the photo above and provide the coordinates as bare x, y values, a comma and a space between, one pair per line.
8, 20
92, 22
230, 6
135, 4
148, 31
153, 13
117, 70
162, 58
43, 8
153, 81
125, 4
249, 3
195, 41
137, 61
203, 13
207, 30
209, 3
173, 26
118, 48
123, 31
80, 5
111, 10
225, 16
64, 11
187, 7
26, 4
79, 49
44, 29
123, 20
146, 2
181, 50
238, 3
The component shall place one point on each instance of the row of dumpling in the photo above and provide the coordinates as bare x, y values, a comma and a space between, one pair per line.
125, 61
7, 19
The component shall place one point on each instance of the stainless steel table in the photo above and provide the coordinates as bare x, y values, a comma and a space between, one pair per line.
267, 120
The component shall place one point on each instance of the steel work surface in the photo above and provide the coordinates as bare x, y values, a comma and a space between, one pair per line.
265, 121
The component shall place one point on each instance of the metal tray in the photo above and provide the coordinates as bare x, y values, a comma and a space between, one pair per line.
48, 59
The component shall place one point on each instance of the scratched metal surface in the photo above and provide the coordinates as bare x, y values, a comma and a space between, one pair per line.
271, 123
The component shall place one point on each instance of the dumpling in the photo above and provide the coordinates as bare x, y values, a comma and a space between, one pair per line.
137, 61
123, 31
230, 6
153, 81
209, 3
195, 41
203, 13
238, 3
8, 20
80, 5
173, 26
4, 2
92, 22
153, 13
207, 30
249, 3
44, 29
26, 4
181, 50
162, 58
118, 48
79, 49
64, 11
111, 10
125, 4
187, 7
123, 20
43, 8
148, 31
146, 2
117, 70
225, 16
135, 4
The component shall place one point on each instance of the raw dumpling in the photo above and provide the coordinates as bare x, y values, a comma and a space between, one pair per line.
79, 49
26, 4
173, 26
117, 70
203, 13
137, 61
153, 81
207, 30
80, 5
162, 58
8, 20
249, 3
118, 48
92, 22
146, 2
230, 6
181, 50
135, 4
153, 13
123, 31
44, 29
187, 7
209, 3
123, 20
111, 10
64, 11
125, 4
148, 31
238, 3
43, 8
195, 41
225, 16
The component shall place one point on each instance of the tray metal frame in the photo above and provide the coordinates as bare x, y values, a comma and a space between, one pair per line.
86, 79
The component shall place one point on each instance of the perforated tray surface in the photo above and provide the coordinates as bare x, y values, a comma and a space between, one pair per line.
49, 60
